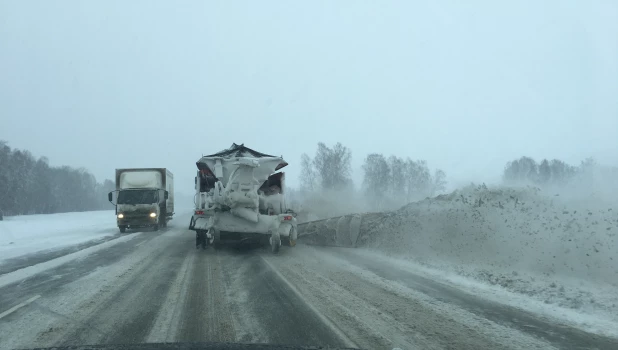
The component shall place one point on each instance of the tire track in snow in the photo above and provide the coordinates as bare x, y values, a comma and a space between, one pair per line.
378, 313
205, 315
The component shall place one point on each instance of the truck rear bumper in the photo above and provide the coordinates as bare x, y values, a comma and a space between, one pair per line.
226, 222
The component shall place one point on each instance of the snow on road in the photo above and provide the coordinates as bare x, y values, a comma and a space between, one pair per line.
28, 234
381, 313
156, 286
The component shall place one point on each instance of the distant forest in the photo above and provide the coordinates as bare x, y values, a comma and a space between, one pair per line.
526, 170
31, 186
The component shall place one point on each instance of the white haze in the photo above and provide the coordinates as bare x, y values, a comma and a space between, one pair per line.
467, 86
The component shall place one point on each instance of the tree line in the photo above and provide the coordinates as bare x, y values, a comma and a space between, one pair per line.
555, 172
387, 182
329, 169
31, 186
395, 181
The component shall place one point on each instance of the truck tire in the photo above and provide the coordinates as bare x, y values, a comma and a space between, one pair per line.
216, 242
275, 243
162, 216
204, 242
122, 229
200, 239
291, 241
155, 227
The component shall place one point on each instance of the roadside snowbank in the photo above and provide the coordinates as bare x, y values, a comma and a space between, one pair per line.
561, 252
22, 235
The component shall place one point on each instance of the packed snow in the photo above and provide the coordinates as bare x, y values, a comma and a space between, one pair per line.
29, 234
561, 252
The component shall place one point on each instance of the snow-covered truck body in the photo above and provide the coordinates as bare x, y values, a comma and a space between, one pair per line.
240, 197
144, 197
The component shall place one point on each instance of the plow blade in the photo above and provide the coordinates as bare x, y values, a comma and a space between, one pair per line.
342, 231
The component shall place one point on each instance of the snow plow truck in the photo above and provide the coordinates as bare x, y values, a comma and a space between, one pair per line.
240, 197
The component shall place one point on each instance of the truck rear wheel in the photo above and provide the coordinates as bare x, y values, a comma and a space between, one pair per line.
216, 240
275, 243
201, 239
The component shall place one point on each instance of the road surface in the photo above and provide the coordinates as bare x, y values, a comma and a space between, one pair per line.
156, 287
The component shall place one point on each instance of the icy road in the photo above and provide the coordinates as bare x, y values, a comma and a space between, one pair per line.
156, 287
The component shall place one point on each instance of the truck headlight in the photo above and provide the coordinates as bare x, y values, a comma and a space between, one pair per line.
120, 216
153, 215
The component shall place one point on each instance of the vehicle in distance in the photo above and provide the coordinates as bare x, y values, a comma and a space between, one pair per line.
144, 197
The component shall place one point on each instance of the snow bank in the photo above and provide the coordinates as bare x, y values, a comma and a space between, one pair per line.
563, 252
21, 235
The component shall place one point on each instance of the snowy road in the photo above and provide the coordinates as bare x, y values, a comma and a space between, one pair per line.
156, 287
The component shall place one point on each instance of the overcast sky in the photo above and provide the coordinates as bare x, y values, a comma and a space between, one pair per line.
466, 85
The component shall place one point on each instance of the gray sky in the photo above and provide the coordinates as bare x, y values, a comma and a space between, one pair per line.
465, 85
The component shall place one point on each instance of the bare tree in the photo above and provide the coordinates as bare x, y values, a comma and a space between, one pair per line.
418, 180
308, 180
398, 179
376, 179
544, 172
332, 166
439, 181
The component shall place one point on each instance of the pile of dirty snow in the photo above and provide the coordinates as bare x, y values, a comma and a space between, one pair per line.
562, 252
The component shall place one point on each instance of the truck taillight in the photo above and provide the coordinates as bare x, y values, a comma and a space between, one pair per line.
199, 212
287, 218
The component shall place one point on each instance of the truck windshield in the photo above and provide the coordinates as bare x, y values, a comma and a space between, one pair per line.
137, 197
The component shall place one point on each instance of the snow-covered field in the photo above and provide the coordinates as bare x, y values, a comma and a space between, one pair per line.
561, 253
28, 234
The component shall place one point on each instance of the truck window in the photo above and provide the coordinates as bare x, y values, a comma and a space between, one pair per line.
137, 197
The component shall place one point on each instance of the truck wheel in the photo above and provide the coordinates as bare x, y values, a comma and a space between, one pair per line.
292, 241
216, 241
275, 243
204, 241
122, 229
156, 227
200, 239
